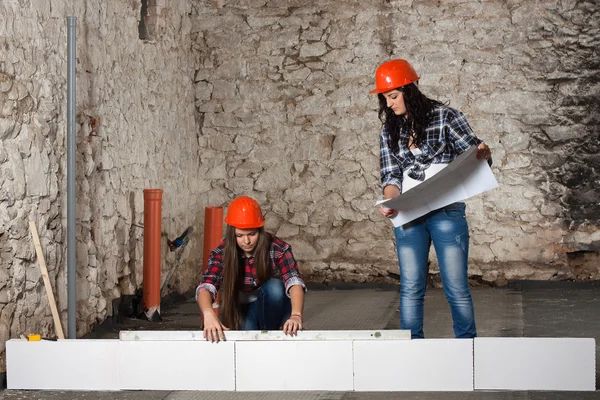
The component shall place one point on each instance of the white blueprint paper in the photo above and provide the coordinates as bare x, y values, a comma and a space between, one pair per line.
464, 177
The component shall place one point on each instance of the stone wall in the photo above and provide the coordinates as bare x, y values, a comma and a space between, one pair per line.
281, 96
212, 99
135, 130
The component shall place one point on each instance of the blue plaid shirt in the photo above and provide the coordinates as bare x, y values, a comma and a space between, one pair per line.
448, 135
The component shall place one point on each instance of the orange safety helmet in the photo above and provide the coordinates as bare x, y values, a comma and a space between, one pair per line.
244, 213
393, 74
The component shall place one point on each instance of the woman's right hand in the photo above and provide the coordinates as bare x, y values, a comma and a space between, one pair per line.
389, 192
387, 212
213, 328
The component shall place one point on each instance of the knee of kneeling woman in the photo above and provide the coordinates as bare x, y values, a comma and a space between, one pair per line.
273, 289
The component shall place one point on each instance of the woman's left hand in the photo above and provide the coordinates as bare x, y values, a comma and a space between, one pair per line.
292, 325
483, 152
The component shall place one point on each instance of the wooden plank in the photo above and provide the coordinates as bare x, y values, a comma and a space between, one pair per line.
47, 285
269, 335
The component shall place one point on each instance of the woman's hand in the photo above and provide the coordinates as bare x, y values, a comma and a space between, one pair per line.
483, 152
213, 328
292, 325
390, 191
387, 212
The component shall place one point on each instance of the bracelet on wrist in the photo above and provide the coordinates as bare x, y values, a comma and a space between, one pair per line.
296, 315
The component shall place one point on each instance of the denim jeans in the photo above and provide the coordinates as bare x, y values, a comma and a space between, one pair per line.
447, 229
270, 310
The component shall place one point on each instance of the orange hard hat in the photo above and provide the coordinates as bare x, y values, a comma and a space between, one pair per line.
393, 74
244, 213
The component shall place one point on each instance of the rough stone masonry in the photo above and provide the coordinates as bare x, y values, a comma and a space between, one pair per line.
208, 100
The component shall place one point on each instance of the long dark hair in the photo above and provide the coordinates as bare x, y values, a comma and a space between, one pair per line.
418, 110
229, 304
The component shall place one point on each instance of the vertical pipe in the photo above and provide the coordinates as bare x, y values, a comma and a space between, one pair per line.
152, 244
213, 231
71, 244
213, 234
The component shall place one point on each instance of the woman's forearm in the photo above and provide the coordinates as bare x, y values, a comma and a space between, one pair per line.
205, 301
297, 299
391, 191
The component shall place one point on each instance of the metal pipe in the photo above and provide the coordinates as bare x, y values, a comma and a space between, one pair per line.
71, 244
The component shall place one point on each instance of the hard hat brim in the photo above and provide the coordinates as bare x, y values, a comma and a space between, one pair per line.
377, 91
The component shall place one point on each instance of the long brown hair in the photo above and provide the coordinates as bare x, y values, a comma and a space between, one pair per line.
229, 303
418, 114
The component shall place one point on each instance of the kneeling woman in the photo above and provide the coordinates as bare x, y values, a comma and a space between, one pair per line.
259, 284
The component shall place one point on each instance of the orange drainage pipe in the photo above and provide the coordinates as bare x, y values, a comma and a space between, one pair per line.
152, 246
213, 235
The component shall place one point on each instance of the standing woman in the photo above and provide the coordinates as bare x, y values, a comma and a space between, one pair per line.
256, 275
419, 137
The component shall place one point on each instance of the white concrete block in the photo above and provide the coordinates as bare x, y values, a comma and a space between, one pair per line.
177, 365
294, 365
234, 336
413, 365
535, 363
63, 365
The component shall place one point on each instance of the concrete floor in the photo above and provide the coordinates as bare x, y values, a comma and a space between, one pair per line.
521, 309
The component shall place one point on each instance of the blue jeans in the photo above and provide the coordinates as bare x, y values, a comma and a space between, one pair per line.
448, 230
271, 309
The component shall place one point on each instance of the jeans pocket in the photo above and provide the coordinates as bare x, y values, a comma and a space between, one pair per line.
455, 210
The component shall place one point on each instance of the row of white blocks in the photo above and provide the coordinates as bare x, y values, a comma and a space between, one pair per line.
312, 360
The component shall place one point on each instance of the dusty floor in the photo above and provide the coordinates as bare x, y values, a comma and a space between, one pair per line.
521, 309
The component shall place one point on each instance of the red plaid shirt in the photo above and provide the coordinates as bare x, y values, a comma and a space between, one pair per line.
283, 266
